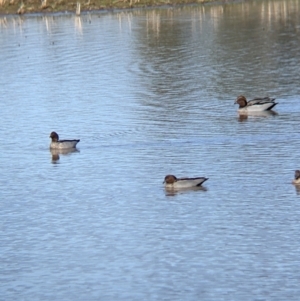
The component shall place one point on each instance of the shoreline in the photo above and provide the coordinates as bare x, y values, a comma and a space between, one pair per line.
16, 7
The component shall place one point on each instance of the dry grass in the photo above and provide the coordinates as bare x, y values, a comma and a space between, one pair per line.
32, 6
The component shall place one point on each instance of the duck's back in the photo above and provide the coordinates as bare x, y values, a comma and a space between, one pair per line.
189, 182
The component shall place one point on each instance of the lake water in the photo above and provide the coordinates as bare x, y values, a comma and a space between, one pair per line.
150, 92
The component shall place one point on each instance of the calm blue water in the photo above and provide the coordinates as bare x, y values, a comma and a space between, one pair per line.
149, 93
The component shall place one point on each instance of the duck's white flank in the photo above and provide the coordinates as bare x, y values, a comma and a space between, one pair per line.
62, 144
172, 182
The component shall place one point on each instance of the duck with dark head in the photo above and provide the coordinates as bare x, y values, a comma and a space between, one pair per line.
173, 182
62, 144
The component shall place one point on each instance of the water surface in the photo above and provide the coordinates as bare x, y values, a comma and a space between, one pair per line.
150, 92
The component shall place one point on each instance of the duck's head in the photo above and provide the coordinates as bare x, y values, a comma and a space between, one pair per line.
170, 179
297, 174
54, 137
241, 100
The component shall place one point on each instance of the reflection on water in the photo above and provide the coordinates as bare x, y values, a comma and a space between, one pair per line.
170, 191
243, 116
270, 12
55, 153
78, 25
150, 92
297, 187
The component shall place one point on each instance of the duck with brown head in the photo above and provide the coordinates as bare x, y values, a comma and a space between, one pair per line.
258, 104
297, 177
61, 144
172, 182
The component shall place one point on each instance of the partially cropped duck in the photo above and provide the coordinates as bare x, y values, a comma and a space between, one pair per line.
257, 104
297, 177
61, 144
172, 182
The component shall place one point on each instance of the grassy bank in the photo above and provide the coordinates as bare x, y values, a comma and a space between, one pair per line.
49, 6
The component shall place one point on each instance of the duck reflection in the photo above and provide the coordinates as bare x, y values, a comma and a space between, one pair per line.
297, 187
264, 114
55, 153
170, 191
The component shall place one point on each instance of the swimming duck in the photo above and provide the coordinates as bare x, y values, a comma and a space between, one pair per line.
257, 104
61, 144
173, 182
297, 177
